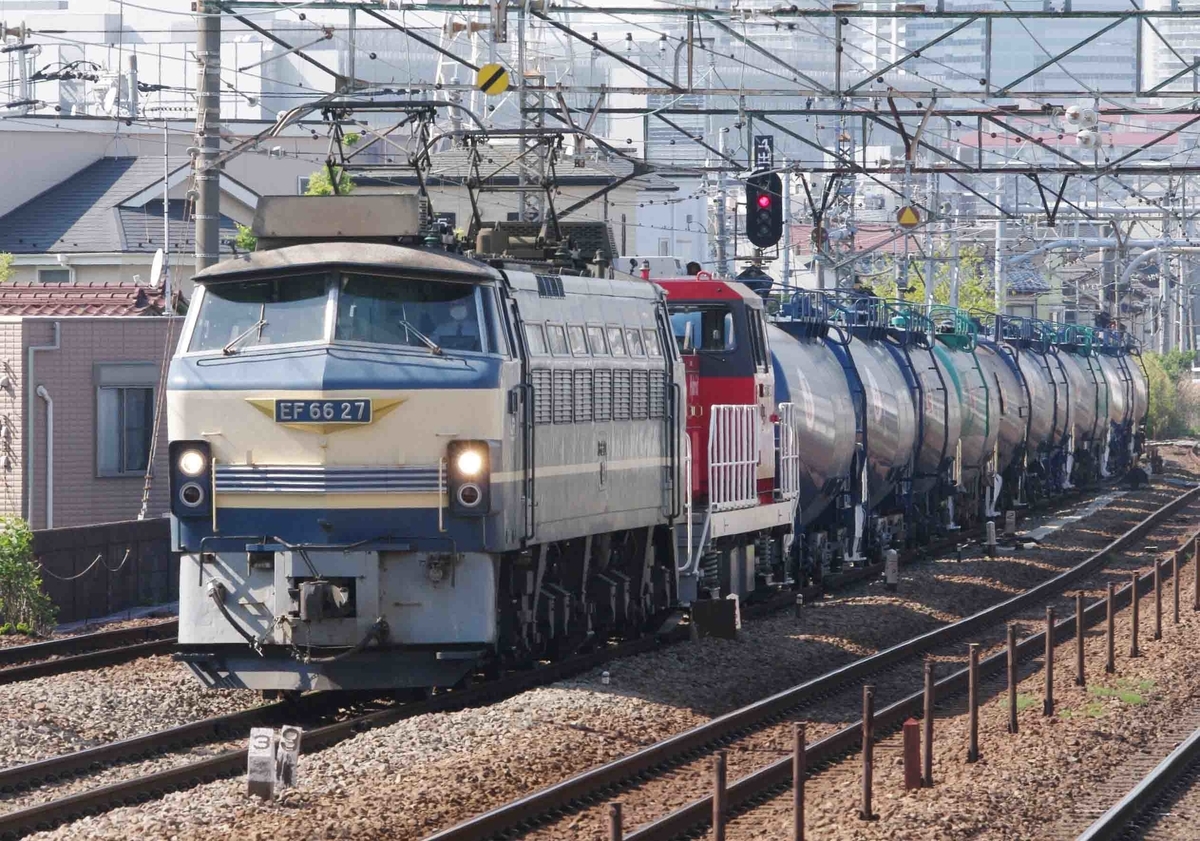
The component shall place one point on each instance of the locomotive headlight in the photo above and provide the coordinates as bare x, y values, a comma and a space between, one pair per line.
192, 463
468, 481
469, 463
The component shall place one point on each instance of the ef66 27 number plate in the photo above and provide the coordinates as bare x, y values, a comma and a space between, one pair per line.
352, 410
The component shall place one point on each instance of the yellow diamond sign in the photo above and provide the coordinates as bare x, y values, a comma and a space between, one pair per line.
908, 217
492, 79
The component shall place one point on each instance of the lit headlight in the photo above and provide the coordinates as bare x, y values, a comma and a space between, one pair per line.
469, 463
192, 462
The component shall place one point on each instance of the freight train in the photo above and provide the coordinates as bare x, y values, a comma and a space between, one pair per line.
393, 466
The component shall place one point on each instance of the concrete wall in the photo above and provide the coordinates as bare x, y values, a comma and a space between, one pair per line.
80, 495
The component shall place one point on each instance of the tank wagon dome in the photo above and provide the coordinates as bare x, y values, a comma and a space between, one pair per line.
368, 257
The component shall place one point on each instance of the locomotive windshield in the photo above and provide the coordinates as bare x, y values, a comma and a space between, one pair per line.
261, 312
384, 311
371, 309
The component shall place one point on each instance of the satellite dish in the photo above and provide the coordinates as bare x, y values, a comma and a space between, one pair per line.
1088, 139
156, 269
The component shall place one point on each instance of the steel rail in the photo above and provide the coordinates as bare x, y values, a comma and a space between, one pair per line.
46, 816
81, 662
777, 775
594, 783
82, 643
1150, 790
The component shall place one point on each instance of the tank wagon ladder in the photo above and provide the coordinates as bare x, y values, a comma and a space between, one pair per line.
1009, 350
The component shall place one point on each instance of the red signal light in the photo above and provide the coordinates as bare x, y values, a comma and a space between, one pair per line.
764, 202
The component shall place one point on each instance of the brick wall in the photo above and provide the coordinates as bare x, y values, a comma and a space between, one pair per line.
81, 496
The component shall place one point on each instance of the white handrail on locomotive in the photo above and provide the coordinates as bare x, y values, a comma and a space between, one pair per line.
733, 457
687, 502
789, 452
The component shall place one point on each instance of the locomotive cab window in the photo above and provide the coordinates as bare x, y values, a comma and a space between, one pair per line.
235, 316
393, 311
653, 348
711, 328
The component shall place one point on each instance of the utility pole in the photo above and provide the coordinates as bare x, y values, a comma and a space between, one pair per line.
208, 134
787, 228
722, 210
133, 87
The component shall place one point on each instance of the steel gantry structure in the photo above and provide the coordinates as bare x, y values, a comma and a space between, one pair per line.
911, 101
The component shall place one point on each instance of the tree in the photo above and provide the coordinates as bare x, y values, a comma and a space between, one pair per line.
320, 185
23, 605
1172, 393
245, 241
6, 269
975, 287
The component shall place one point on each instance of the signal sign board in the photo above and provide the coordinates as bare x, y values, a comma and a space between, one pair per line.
492, 79
908, 217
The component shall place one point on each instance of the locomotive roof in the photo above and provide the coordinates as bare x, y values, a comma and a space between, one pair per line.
358, 255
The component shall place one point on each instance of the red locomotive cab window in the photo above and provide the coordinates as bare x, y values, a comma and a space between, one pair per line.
705, 328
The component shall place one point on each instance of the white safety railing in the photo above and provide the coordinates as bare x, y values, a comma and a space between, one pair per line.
733, 457
789, 452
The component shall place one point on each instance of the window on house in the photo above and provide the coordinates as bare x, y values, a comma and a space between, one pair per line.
664, 247
54, 275
124, 417
125, 420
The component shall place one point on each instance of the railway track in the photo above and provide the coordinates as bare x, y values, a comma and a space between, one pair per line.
669, 757
1153, 799
222, 728
86, 651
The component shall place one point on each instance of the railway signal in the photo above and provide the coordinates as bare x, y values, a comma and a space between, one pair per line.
764, 209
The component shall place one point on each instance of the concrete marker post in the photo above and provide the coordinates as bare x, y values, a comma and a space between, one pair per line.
911, 731
615, 830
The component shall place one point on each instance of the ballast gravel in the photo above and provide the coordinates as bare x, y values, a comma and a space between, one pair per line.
423, 774
52, 715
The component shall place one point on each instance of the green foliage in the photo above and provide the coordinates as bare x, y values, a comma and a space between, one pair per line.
245, 241
975, 285
1126, 691
320, 185
6, 269
350, 138
1173, 398
23, 605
